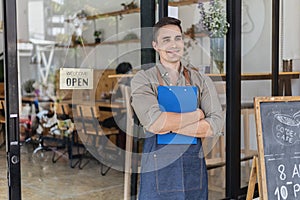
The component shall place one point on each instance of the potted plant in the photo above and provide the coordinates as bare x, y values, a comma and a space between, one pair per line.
213, 21
97, 35
28, 87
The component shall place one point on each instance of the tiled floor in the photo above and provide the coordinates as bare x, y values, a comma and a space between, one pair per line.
47, 180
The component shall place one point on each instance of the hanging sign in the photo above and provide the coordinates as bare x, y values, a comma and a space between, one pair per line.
75, 78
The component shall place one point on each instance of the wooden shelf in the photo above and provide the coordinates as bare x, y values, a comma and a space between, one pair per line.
102, 43
137, 10
257, 76
185, 2
120, 42
115, 13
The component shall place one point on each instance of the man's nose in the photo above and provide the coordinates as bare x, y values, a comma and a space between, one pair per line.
173, 43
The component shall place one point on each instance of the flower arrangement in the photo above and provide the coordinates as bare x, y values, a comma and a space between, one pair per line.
213, 19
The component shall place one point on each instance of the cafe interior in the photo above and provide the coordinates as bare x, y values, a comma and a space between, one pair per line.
59, 58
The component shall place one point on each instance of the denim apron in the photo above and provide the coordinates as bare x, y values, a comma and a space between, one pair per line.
173, 171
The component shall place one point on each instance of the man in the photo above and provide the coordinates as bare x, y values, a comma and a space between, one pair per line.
174, 171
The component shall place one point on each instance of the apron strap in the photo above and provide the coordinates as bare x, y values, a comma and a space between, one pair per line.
185, 73
160, 80
186, 76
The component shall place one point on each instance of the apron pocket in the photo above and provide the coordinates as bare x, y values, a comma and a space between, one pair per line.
194, 172
168, 173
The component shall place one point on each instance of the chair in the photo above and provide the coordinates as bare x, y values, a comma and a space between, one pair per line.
66, 127
217, 153
96, 138
217, 156
214, 148
247, 110
50, 137
63, 110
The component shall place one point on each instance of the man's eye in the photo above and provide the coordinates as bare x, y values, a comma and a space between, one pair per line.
178, 38
166, 40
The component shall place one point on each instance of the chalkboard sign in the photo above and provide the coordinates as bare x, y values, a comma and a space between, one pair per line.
278, 138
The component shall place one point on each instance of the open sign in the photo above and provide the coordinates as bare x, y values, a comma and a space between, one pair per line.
75, 78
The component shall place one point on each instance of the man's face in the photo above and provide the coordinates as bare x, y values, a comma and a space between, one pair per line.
169, 44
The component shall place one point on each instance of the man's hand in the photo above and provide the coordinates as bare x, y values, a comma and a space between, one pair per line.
170, 121
201, 114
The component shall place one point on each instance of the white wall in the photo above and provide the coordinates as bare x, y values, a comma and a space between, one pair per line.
291, 29
257, 56
112, 55
108, 55
22, 20
290, 35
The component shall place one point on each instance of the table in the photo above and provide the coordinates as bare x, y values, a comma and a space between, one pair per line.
257, 76
104, 104
31, 99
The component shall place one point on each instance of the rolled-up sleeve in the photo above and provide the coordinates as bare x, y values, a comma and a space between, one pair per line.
144, 99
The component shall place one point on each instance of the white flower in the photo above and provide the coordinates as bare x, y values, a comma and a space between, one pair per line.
213, 19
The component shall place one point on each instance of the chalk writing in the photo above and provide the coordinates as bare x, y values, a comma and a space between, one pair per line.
289, 189
281, 149
287, 131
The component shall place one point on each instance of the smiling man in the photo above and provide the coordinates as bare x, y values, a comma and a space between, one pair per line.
169, 45
174, 168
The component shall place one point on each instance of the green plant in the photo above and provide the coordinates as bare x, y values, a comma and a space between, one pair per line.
97, 33
28, 86
131, 5
213, 19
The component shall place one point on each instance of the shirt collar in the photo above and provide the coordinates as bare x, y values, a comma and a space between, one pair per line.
162, 70
164, 73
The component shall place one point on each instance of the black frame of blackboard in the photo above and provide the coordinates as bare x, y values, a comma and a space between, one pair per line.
259, 136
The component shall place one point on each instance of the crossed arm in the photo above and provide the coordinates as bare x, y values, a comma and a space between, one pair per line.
190, 124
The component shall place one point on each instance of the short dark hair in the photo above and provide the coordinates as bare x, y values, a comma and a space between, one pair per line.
123, 68
163, 22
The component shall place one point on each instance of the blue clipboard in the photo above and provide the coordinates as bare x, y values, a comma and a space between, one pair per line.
179, 99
